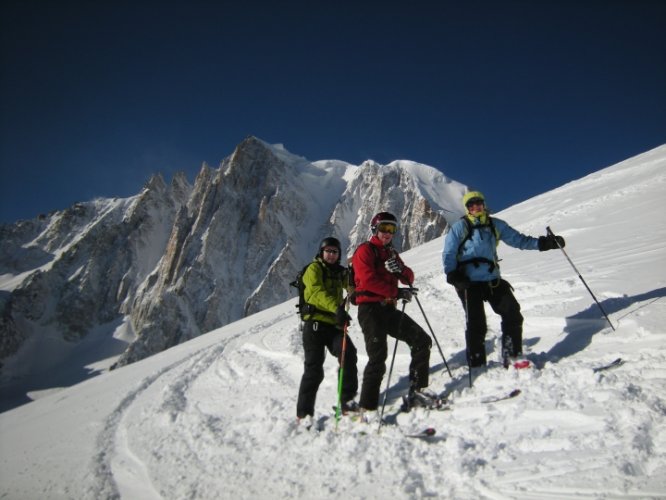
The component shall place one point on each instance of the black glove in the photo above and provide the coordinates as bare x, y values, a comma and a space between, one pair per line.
405, 294
342, 318
393, 266
550, 242
458, 279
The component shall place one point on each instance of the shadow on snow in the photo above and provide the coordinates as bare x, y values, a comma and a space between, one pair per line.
578, 333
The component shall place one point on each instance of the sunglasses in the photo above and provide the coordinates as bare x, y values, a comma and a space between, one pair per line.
331, 250
387, 228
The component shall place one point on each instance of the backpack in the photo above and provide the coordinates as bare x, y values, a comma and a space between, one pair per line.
303, 307
470, 230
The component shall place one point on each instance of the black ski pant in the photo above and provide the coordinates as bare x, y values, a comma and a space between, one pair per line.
378, 321
317, 337
500, 297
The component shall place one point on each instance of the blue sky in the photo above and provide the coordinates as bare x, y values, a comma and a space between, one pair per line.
510, 97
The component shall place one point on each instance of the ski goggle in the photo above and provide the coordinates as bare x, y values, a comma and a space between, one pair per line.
475, 201
331, 250
387, 228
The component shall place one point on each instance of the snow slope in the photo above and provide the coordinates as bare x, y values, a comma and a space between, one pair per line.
214, 417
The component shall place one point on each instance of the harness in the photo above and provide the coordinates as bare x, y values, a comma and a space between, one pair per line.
476, 261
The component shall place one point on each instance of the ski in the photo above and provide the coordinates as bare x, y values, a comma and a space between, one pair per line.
614, 364
503, 397
438, 404
425, 433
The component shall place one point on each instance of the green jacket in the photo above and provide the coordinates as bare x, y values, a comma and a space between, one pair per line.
324, 285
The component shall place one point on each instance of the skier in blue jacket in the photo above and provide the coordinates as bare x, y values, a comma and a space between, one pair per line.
471, 266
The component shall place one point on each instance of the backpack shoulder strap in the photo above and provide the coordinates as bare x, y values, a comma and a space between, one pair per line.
468, 234
353, 293
302, 306
374, 249
494, 230
470, 228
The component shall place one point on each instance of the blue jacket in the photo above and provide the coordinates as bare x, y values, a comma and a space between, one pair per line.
481, 245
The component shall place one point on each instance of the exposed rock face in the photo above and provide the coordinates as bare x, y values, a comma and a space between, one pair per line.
177, 261
92, 258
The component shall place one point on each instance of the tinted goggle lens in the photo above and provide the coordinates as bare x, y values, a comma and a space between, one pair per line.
331, 250
387, 228
474, 201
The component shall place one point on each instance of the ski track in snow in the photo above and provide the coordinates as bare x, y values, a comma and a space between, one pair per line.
115, 460
197, 417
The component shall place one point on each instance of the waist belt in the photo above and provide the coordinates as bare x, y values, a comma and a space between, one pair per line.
480, 260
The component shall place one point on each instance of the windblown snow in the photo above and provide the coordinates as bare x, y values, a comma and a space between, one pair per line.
215, 416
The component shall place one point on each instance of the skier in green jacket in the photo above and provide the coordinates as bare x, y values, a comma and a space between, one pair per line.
325, 318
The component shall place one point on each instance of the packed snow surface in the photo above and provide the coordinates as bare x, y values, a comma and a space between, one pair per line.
215, 417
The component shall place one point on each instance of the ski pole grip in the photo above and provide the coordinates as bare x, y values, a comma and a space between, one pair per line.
549, 232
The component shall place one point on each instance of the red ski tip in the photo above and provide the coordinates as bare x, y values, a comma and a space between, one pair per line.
523, 363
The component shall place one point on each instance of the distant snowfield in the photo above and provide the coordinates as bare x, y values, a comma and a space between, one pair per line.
215, 417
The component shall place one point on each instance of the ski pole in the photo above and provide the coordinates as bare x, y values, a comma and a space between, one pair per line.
338, 410
431, 331
388, 379
469, 364
550, 233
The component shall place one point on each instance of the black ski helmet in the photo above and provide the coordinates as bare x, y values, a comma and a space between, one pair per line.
330, 242
382, 217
